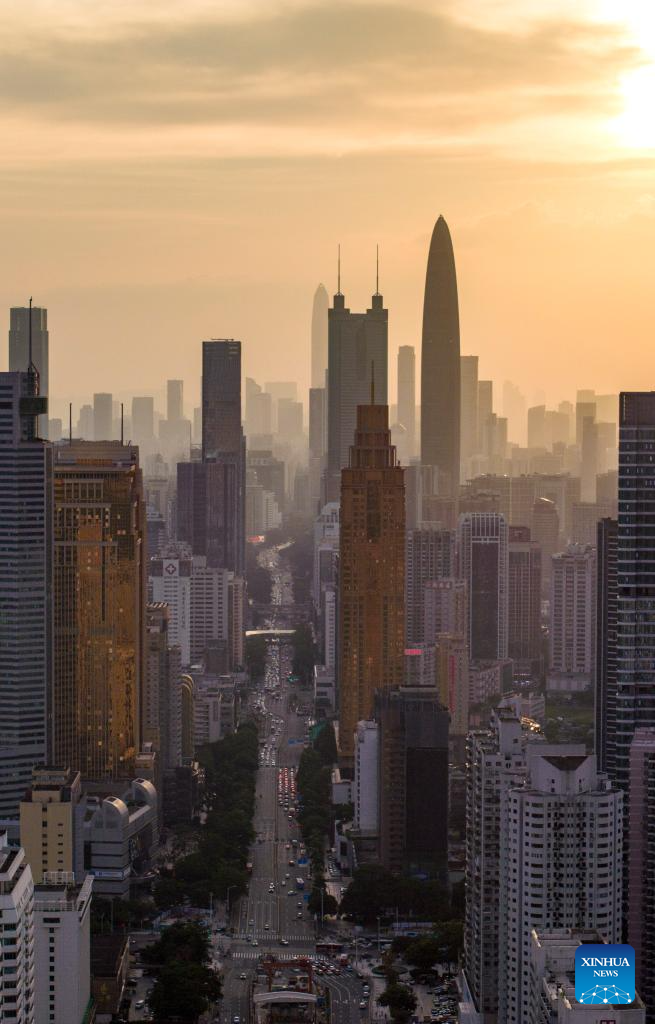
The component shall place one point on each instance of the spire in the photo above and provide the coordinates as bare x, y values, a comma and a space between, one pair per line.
377, 269
339, 269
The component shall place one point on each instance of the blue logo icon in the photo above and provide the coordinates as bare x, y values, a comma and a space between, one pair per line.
604, 974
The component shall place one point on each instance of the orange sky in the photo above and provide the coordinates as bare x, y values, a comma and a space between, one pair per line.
172, 171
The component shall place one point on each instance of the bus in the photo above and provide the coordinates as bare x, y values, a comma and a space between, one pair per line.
329, 948
300, 883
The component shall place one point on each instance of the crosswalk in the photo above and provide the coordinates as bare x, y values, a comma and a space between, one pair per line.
255, 954
269, 935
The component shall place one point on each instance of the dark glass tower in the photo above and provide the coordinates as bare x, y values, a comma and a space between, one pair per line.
440, 365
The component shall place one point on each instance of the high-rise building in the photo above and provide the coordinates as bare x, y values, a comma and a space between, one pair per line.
99, 607
62, 947
103, 417
413, 774
497, 760
468, 411
407, 398
606, 624
485, 411
317, 437
19, 349
452, 664
290, 421
483, 563
174, 400
196, 595
371, 573
48, 820
221, 398
641, 860
143, 420
561, 854
17, 992
366, 785
163, 668
635, 661
430, 555
357, 356
545, 529
573, 616
524, 644
25, 586
445, 609
319, 336
440, 368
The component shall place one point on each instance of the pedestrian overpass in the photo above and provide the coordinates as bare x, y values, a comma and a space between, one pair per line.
271, 633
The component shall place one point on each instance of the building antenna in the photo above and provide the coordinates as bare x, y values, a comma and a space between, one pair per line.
377, 269
372, 382
70, 422
339, 269
122, 423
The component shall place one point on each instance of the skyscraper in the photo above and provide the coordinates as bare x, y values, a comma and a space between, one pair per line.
605, 668
483, 555
635, 639
319, 336
25, 586
371, 574
524, 602
316, 445
573, 616
440, 367
357, 347
174, 400
469, 410
99, 607
19, 345
407, 396
103, 425
211, 493
641, 860
430, 555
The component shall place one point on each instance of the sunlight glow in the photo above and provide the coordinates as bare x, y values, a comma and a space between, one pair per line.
636, 125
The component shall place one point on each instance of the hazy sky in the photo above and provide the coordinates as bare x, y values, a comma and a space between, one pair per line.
178, 170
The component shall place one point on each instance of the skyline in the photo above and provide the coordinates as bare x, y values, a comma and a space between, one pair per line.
172, 204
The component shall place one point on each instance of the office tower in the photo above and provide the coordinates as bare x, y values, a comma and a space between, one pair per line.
567, 410
537, 435
163, 667
196, 596
485, 410
197, 425
357, 356
635, 678
85, 423
452, 672
407, 397
545, 531
497, 761
366, 785
468, 410
48, 816
573, 617
319, 336
25, 586
211, 493
19, 349
174, 400
17, 923
589, 459
236, 603
371, 573
270, 473
99, 607
103, 417
584, 409
259, 414
413, 774
641, 860
440, 369
430, 555
143, 420
62, 950
606, 624
55, 430
317, 425
482, 548
561, 834
290, 421
524, 602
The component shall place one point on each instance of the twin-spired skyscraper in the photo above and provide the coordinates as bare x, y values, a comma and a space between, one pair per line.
440, 383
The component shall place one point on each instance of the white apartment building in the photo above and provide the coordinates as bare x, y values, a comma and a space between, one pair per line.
366, 787
197, 597
561, 862
17, 966
62, 936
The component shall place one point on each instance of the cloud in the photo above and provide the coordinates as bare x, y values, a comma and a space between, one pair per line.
343, 75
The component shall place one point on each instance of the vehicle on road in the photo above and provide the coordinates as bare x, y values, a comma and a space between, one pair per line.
300, 883
284, 942
242, 976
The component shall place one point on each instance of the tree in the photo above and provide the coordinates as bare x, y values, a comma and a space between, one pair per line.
327, 906
400, 1001
304, 652
325, 744
184, 991
423, 953
180, 942
256, 656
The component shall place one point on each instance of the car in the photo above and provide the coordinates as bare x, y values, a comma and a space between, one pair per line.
362, 1004
266, 927
299, 903
299, 914
284, 942
236, 1019
254, 942
242, 976
251, 922
140, 1003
